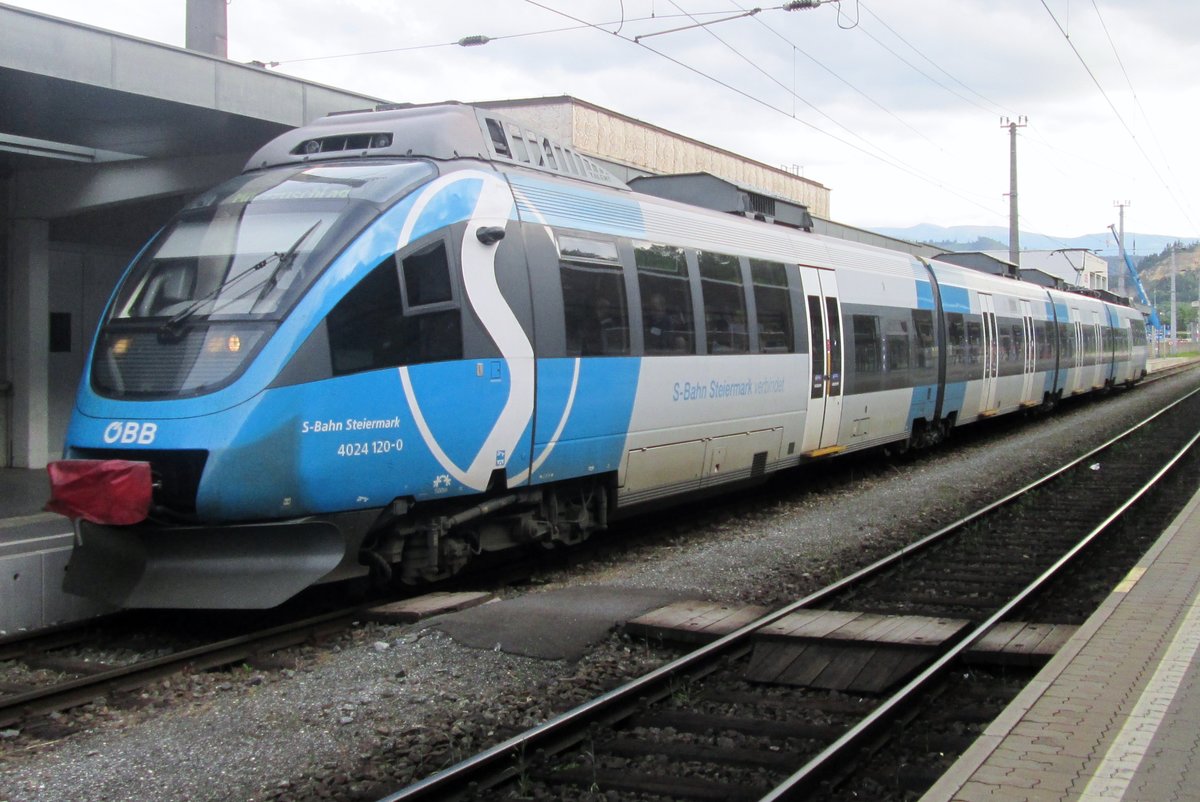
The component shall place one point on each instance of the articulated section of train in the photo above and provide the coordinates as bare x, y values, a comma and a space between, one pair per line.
402, 338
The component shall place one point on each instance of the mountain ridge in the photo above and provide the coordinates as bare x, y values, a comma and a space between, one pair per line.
1104, 243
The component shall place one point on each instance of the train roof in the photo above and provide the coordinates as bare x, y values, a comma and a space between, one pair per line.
440, 131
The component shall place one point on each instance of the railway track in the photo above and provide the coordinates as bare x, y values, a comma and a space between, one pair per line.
78, 681
778, 710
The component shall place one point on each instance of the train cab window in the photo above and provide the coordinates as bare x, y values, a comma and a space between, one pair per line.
361, 325
667, 323
773, 306
595, 312
724, 304
372, 328
427, 277
432, 324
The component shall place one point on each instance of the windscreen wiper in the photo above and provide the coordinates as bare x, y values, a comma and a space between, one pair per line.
285, 262
173, 327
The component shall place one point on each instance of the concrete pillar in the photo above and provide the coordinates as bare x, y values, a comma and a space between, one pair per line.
28, 338
207, 27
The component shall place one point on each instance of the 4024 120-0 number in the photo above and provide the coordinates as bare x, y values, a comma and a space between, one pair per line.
361, 448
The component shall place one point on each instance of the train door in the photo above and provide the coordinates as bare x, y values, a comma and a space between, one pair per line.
825, 380
1075, 380
991, 355
1030, 352
1099, 355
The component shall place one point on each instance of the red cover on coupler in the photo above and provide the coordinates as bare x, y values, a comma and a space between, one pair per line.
108, 491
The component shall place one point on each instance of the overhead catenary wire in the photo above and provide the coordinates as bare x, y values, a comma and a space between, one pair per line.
996, 106
618, 27
480, 39
895, 33
1040, 139
887, 158
757, 68
1116, 112
833, 73
1133, 92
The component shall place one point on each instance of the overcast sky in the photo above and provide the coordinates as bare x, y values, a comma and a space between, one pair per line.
895, 105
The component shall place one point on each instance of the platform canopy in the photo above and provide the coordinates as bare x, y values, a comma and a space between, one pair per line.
103, 137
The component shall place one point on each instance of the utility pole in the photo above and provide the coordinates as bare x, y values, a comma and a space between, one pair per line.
1174, 331
1121, 273
1014, 235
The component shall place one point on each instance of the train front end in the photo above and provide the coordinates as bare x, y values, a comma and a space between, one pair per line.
231, 444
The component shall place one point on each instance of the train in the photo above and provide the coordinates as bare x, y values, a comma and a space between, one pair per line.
409, 336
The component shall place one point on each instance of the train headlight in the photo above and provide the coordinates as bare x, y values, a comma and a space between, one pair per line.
120, 347
221, 344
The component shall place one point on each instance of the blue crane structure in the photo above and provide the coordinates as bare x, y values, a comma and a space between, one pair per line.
1137, 282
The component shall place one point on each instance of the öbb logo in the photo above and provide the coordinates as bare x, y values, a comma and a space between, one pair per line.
130, 432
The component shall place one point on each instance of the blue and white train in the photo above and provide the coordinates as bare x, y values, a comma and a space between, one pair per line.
405, 337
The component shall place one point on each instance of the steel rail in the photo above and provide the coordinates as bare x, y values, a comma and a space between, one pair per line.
79, 691
803, 780
499, 763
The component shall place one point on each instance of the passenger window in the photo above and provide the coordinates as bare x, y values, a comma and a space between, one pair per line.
773, 304
896, 344
834, 331
1045, 346
1066, 341
926, 353
816, 330
666, 299
724, 304
595, 314
867, 351
956, 339
974, 349
1017, 345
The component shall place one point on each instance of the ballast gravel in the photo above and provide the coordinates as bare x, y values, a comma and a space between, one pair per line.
389, 704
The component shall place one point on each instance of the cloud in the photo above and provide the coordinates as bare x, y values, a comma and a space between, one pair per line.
897, 107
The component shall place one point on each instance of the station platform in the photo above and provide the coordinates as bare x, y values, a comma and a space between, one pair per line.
23, 493
34, 549
1115, 714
